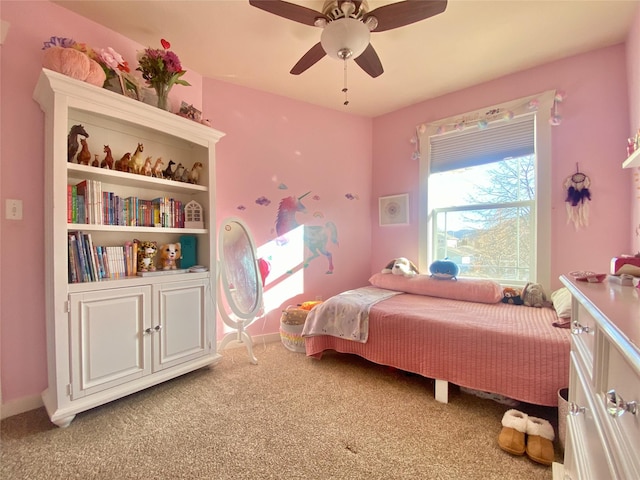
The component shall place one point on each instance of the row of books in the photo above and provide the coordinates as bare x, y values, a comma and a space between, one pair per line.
92, 263
88, 204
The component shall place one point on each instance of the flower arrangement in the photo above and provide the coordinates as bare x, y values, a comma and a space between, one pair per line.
161, 69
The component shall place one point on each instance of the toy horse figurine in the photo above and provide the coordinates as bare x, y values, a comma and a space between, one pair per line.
168, 172
156, 171
72, 141
122, 165
136, 162
315, 237
146, 168
108, 159
84, 156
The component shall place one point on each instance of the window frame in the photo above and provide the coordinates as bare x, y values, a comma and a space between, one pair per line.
542, 217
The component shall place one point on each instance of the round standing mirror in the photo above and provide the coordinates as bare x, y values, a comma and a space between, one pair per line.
239, 281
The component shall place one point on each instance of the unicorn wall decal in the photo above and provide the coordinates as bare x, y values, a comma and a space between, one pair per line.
315, 237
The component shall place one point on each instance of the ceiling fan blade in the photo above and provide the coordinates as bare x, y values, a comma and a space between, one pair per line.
404, 13
315, 54
369, 62
291, 11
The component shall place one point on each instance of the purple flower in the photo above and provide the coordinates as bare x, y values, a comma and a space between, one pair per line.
172, 62
59, 42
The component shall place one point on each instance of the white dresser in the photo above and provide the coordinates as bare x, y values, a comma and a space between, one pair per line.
603, 426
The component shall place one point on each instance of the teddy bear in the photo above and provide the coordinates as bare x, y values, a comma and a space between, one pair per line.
146, 253
401, 266
533, 296
512, 295
169, 253
74, 64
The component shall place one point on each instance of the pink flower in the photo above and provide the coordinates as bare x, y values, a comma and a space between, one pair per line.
113, 59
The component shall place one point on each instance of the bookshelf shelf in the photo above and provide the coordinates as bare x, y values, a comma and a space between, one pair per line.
131, 180
158, 326
92, 227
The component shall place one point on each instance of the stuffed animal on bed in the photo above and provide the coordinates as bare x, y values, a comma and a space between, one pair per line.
401, 266
533, 296
512, 296
444, 269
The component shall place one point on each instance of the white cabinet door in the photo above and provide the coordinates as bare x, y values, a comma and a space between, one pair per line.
110, 340
181, 333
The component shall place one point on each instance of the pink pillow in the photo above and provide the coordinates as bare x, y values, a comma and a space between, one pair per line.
469, 289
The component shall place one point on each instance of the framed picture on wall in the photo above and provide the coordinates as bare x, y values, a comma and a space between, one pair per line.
394, 209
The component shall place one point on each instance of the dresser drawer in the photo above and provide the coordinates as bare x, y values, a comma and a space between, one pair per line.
583, 328
620, 377
585, 454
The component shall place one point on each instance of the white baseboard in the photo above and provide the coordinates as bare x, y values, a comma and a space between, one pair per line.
257, 340
21, 405
25, 404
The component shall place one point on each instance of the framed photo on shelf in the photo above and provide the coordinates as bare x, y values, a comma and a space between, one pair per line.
190, 112
394, 210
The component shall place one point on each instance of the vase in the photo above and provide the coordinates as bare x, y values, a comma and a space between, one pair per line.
162, 92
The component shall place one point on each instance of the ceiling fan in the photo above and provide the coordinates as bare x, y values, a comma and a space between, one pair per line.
347, 27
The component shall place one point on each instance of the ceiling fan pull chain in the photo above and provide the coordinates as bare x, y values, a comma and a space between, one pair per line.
345, 89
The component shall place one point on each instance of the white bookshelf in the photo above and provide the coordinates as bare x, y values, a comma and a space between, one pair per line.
113, 337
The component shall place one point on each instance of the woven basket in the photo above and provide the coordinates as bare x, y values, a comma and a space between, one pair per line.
291, 325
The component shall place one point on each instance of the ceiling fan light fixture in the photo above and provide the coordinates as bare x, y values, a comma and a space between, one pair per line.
371, 22
345, 34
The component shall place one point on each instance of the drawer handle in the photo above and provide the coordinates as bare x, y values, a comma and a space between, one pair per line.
616, 406
575, 409
577, 329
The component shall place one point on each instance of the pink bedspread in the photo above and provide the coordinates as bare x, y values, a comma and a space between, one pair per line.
511, 350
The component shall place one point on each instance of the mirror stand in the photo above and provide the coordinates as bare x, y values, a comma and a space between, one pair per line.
239, 283
239, 325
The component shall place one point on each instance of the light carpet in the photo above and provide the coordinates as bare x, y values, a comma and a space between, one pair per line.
289, 417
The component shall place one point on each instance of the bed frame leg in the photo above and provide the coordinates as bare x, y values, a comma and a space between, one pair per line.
442, 391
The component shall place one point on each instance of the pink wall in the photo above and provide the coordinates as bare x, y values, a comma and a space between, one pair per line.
272, 141
633, 73
593, 132
269, 140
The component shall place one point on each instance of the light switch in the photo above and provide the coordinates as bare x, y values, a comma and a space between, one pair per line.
13, 210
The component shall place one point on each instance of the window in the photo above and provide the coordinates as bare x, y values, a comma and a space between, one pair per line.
484, 194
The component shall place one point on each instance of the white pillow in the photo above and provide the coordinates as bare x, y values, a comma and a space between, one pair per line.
561, 300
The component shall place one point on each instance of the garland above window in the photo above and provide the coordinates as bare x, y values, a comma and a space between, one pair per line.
480, 119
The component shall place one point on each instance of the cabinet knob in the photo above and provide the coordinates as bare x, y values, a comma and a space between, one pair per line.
575, 409
148, 331
616, 406
577, 329
157, 328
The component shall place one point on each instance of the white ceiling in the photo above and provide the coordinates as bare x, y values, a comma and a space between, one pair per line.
473, 41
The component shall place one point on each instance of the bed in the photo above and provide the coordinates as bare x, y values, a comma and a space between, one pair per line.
511, 350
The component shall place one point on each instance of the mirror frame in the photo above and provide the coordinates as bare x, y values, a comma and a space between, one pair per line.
224, 283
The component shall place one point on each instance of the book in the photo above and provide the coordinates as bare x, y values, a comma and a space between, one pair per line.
91, 259
73, 259
82, 189
82, 262
69, 204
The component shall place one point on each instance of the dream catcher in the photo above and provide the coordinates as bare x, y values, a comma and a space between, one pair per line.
578, 196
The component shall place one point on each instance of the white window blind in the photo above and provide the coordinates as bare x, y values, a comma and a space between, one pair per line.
473, 146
